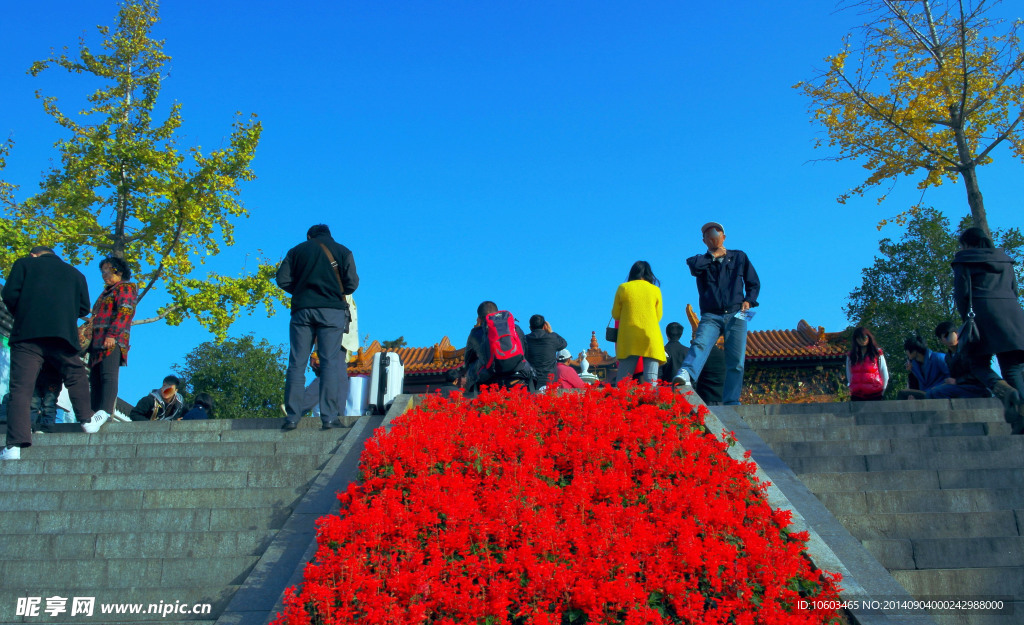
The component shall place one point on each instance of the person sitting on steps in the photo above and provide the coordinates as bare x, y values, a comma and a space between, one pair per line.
162, 404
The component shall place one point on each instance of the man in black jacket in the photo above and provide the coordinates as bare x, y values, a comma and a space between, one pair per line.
47, 297
728, 288
318, 273
162, 404
542, 346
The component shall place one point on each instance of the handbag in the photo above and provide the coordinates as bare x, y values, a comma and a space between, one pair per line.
969, 330
611, 333
85, 335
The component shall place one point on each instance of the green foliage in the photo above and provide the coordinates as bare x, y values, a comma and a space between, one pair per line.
909, 288
244, 377
395, 344
765, 383
122, 186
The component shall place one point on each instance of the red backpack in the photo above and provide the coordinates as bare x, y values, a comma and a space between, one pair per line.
503, 342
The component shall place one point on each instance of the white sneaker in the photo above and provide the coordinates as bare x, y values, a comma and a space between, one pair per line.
120, 418
98, 419
683, 377
10, 453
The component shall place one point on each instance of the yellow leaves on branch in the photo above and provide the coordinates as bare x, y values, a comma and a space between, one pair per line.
922, 94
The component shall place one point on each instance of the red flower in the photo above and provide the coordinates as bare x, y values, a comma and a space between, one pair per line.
610, 506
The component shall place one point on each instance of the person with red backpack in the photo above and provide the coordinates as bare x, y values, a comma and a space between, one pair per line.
496, 350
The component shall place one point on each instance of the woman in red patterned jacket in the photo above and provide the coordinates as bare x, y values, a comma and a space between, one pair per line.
111, 322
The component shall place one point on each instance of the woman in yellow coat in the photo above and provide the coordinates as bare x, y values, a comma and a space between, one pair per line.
637, 308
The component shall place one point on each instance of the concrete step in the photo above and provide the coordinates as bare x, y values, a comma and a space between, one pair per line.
1011, 617
920, 525
176, 596
952, 500
132, 572
119, 521
139, 544
919, 446
904, 431
206, 479
51, 450
1003, 459
840, 408
138, 499
824, 420
974, 583
211, 425
964, 553
214, 436
912, 480
288, 463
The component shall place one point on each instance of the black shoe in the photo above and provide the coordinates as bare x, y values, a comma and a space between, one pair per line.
289, 426
1011, 401
332, 425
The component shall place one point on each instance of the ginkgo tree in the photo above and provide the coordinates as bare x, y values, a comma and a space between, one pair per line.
123, 186
930, 89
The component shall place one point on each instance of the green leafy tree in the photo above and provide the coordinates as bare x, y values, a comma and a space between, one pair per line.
931, 87
245, 377
122, 185
395, 344
909, 288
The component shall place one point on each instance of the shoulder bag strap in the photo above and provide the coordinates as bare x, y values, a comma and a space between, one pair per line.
337, 270
970, 293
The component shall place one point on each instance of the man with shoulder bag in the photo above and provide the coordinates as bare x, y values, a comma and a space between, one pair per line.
318, 274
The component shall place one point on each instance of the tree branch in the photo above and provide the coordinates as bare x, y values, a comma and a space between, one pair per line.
1014, 67
170, 248
890, 121
931, 46
170, 309
963, 64
1002, 137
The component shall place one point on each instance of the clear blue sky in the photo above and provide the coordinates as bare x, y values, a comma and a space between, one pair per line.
523, 152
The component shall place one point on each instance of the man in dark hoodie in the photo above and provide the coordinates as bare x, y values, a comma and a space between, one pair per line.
961, 382
163, 404
318, 273
542, 347
984, 282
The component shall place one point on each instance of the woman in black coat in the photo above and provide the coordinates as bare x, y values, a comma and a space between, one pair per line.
1000, 320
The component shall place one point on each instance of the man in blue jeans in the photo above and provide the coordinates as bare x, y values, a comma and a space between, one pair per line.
728, 288
318, 273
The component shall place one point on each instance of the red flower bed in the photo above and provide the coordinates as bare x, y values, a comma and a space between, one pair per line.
610, 506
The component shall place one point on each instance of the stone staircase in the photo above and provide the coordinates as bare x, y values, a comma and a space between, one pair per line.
933, 489
172, 514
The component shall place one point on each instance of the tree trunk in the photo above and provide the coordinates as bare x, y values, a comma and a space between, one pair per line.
975, 200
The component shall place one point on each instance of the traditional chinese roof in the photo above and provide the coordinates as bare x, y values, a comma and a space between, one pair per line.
437, 358
806, 343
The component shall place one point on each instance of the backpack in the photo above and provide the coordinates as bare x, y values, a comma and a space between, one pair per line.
503, 342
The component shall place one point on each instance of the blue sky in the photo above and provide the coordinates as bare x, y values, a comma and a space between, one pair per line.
523, 152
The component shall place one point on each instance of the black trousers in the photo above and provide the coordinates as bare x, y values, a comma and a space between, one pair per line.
103, 381
27, 358
1011, 365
